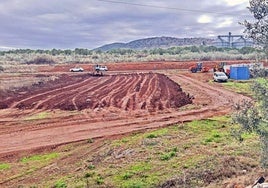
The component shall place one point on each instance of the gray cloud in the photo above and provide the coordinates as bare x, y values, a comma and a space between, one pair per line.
89, 24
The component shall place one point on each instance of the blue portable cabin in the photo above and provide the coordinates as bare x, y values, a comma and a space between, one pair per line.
239, 72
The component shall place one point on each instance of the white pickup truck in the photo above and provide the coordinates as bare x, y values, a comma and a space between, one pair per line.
77, 69
101, 68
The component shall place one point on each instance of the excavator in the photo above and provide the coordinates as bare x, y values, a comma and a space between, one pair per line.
199, 67
222, 67
219, 67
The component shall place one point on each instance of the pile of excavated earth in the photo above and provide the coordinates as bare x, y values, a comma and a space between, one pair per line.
138, 91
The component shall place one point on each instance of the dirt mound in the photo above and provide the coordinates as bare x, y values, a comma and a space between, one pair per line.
145, 91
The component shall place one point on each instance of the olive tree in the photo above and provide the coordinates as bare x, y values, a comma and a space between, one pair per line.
258, 29
253, 116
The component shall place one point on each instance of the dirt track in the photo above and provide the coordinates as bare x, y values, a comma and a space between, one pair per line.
100, 119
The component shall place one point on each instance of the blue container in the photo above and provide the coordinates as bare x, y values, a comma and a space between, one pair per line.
239, 72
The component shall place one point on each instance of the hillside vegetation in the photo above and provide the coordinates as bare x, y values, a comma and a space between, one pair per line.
157, 42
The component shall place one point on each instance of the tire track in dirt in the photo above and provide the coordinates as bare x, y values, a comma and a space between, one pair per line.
117, 91
129, 93
88, 87
108, 94
80, 91
143, 89
62, 93
147, 89
44, 94
76, 90
153, 96
128, 101
218, 96
40, 96
165, 94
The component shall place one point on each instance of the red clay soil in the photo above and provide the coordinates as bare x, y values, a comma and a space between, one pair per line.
124, 91
106, 106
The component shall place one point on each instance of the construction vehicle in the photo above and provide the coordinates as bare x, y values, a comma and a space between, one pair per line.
198, 67
222, 67
98, 70
219, 67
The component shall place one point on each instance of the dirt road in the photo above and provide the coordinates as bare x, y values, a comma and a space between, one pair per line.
114, 111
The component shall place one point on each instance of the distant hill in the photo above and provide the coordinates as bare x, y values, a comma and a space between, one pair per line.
157, 42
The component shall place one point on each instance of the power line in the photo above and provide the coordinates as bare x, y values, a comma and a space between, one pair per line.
170, 8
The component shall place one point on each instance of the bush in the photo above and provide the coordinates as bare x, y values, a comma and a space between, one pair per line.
41, 61
60, 184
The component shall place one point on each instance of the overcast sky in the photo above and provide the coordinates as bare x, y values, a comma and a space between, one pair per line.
69, 24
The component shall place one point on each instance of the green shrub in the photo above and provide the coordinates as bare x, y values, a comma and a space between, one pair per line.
4, 166
167, 156
89, 174
60, 184
127, 175
91, 166
151, 136
99, 180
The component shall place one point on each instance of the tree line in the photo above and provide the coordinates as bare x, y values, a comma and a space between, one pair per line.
120, 51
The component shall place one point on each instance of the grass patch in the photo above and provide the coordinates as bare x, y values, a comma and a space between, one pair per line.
156, 133
60, 184
214, 136
134, 175
127, 175
126, 140
192, 161
133, 184
152, 135
4, 166
179, 148
89, 174
239, 87
169, 155
39, 116
140, 167
221, 119
40, 158
134, 138
99, 180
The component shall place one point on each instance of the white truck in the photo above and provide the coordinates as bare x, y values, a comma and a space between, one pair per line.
99, 69
77, 69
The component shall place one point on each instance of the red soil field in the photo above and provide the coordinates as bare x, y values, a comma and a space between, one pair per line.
77, 106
